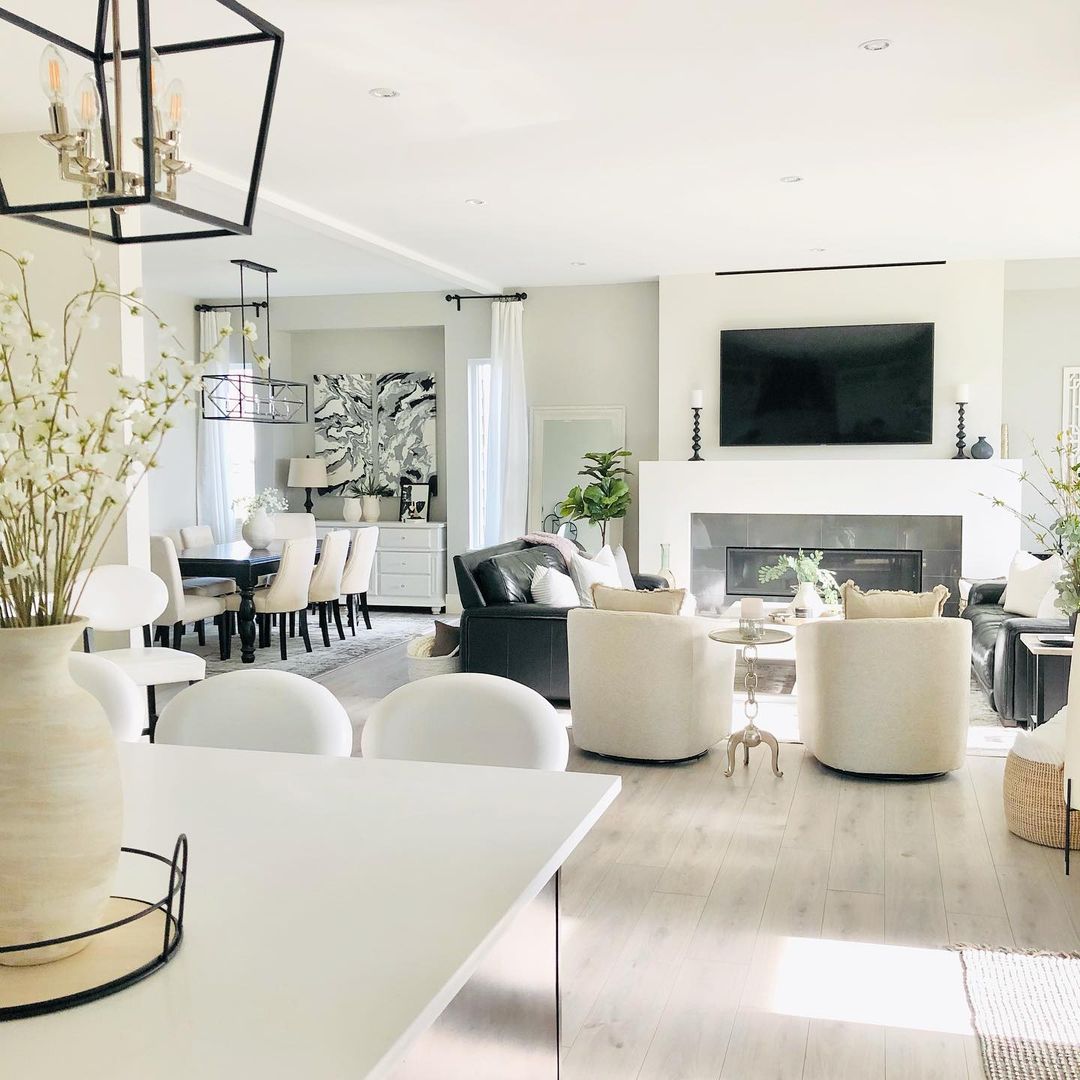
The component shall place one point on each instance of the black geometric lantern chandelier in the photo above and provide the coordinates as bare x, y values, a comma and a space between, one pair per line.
244, 395
114, 157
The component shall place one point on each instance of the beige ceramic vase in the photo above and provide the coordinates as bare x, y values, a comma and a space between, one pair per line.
61, 804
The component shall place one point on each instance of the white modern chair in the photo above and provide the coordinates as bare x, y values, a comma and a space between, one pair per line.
258, 710
887, 697
467, 719
293, 526
117, 598
185, 608
357, 576
325, 588
647, 687
116, 693
287, 594
200, 536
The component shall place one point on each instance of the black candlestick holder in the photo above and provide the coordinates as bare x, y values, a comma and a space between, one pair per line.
695, 442
960, 455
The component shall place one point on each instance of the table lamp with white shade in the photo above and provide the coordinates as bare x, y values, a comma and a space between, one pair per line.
1071, 777
307, 473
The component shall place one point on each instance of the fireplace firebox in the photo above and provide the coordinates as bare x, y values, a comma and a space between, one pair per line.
868, 568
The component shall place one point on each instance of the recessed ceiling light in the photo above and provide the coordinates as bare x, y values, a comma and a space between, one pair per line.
383, 92
817, 251
791, 179
878, 44
578, 263
475, 202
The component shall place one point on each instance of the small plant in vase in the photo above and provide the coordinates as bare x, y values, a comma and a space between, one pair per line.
67, 474
815, 586
258, 529
364, 495
606, 498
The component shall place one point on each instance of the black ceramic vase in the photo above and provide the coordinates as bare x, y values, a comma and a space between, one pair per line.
982, 449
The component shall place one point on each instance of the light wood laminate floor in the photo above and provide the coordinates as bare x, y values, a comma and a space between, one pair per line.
762, 929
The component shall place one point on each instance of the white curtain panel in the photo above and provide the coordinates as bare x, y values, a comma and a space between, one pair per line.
214, 499
508, 427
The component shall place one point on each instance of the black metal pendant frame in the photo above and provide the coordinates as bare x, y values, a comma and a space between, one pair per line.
241, 395
99, 56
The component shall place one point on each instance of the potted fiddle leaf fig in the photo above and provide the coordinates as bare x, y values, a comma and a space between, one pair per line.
606, 496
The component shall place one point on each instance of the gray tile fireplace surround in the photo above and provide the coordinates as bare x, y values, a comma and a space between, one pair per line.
938, 538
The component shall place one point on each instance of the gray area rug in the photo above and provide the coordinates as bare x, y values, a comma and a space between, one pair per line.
1025, 1007
388, 628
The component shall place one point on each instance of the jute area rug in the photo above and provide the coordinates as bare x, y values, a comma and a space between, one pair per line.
1025, 1007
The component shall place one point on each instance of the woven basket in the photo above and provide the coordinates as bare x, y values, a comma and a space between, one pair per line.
423, 667
1034, 803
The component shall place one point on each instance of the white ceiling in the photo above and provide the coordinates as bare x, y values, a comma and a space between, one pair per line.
645, 138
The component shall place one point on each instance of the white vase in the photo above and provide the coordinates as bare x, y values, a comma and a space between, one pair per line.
258, 530
807, 598
61, 805
371, 507
353, 511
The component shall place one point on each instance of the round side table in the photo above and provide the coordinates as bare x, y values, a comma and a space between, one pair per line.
751, 735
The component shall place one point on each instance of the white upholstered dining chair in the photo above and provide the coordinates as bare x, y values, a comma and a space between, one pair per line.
184, 608
325, 588
467, 719
118, 598
357, 575
200, 536
293, 526
286, 595
258, 710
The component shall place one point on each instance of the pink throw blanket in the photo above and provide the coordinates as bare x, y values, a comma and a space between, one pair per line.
566, 548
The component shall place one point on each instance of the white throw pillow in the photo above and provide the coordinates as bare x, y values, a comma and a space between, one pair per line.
553, 588
1029, 580
622, 564
1048, 606
589, 572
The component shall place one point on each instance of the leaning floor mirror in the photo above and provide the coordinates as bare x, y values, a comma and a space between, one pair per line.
560, 438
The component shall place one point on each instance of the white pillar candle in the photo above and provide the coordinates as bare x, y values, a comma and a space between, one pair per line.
697, 399
963, 393
752, 607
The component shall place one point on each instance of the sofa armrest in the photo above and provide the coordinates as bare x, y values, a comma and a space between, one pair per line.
986, 592
514, 611
650, 582
1014, 670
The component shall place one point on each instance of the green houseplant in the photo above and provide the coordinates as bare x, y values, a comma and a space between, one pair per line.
607, 495
1057, 527
815, 586
363, 495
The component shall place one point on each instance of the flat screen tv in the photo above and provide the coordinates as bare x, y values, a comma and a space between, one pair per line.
827, 385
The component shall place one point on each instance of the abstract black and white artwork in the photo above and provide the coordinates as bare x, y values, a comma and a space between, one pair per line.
405, 401
344, 422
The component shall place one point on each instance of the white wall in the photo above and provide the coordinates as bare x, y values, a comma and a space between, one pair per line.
597, 345
965, 301
1042, 336
376, 351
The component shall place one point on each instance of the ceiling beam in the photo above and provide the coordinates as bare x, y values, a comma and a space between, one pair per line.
347, 233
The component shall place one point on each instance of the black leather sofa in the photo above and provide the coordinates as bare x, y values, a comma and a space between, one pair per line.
502, 631
1002, 666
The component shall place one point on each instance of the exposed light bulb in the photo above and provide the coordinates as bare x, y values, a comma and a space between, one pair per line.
54, 75
173, 106
87, 103
157, 77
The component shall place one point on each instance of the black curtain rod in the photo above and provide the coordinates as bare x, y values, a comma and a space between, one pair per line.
808, 269
454, 298
256, 304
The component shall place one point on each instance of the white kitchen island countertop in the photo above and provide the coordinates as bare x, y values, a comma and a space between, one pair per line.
335, 906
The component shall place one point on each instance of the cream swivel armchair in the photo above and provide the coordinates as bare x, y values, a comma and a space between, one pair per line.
287, 594
357, 575
325, 588
647, 687
185, 608
199, 536
885, 697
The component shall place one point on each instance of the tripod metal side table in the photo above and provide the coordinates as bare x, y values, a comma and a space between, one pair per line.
751, 735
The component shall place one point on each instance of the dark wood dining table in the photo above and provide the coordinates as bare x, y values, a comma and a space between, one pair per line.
245, 565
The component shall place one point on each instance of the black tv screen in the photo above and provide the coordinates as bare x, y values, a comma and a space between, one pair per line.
821, 385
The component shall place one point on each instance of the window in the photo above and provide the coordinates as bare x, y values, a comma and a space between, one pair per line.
479, 416
239, 456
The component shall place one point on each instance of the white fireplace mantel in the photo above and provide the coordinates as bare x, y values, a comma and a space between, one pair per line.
670, 491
